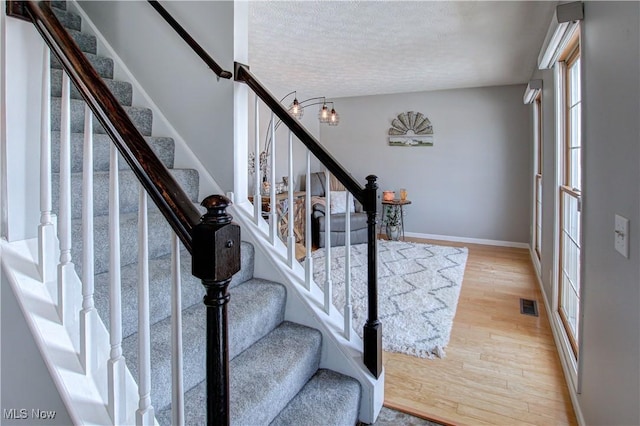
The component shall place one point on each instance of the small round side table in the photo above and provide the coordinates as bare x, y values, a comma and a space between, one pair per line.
396, 204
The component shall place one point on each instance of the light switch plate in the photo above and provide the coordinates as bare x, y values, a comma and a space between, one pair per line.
621, 235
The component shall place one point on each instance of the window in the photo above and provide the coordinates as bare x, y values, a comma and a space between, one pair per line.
570, 196
537, 176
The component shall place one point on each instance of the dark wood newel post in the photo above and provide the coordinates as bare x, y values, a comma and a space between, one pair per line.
216, 257
373, 327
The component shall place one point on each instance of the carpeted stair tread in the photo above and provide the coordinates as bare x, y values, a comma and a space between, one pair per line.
160, 295
129, 190
159, 240
59, 4
256, 307
103, 65
193, 352
86, 42
263, 296
159, 290
163, 148
68, 19
122, 90
263, 379
329, 398
247, 263
141, 117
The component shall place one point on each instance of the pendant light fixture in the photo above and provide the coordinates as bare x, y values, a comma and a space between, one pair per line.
326, 115
295, 108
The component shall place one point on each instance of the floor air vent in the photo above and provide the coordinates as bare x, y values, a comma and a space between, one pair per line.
529, 307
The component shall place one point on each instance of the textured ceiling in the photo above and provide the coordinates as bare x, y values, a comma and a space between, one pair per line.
347, 48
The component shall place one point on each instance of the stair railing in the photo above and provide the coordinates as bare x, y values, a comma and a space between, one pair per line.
211, 63
367, 196
212, 239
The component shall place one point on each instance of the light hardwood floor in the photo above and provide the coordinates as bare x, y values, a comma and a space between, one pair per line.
501, 367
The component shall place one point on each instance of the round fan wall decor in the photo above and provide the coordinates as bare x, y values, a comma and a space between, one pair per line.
411, 129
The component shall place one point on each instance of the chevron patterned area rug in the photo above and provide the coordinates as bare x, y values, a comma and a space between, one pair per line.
418, 289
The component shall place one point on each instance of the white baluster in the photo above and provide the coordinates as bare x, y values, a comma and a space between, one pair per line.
308, 261
273, 211
291, 239
348, 309
65, 267
116, 365
46, 230
177, 393
328, 285
88, 314
257, 197
145, 413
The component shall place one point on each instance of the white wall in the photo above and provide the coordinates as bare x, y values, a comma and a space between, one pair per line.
611, 336
474, 181
610, 339
180, 84
3, 124
22, 49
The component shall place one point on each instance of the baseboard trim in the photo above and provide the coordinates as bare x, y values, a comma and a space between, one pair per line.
566, 369
468, 240
536, 262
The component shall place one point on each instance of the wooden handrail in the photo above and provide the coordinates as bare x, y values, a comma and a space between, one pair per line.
163, 189
243, 74
211, 63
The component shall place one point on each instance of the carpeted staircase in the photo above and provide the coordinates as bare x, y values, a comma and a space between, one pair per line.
274, 369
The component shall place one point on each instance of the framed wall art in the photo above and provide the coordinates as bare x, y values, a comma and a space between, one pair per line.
411, 129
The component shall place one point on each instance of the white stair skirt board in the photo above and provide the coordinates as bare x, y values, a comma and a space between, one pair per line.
20, 263
468, 240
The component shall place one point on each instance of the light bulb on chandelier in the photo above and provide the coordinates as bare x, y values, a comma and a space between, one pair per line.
334, 118
296, 109
325, 115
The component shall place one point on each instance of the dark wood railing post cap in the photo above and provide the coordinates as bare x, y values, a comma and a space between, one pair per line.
238, 68
216, 242
371, 195
216, 206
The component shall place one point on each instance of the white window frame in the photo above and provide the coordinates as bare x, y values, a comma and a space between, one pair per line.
538, 157
533, 95
566, 351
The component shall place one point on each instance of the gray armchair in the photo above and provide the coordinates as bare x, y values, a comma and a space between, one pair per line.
338, 220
